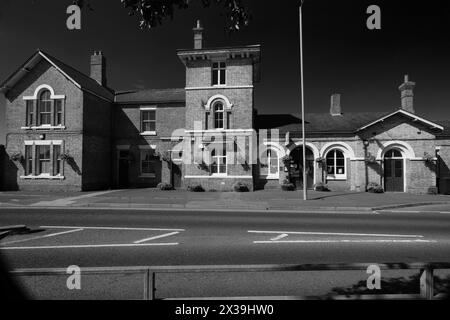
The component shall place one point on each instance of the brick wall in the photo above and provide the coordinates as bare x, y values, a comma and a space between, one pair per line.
44, 73
2, 163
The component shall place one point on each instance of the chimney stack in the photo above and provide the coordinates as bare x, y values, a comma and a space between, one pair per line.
407, 95
336, 109
198, 36
98, 68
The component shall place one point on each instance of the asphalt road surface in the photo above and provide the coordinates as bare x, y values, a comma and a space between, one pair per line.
100, 238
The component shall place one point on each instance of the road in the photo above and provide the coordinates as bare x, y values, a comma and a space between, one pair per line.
93, 237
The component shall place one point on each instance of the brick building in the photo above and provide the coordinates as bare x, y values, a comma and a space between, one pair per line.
69, 131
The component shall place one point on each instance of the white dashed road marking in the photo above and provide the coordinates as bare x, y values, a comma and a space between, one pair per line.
43, 237
156, 237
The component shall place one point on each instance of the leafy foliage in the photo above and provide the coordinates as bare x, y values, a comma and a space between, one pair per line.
287, 186
165, 186
240, 187
374, 187
320, 186
197, 188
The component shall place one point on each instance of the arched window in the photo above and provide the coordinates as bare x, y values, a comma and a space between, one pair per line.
336, 164
45, 108
270, 164
218, 115
393, 154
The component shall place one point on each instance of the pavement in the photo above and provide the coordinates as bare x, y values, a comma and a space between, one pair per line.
259, 200
93, 237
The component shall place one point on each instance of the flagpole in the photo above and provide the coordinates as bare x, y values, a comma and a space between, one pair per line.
305, 195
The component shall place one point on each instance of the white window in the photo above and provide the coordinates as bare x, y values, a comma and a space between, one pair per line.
219, 162
58, 112
148, 121
148, 163
336, 164
219, 112
30, 113
43, 160
270, 165
44, 109
219, 73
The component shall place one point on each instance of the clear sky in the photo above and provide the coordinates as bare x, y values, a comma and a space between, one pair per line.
341, 54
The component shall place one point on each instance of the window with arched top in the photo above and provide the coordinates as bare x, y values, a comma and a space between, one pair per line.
393, 154
336, 164
45, 108
219, 111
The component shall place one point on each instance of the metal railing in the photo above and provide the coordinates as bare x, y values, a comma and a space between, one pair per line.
150, 286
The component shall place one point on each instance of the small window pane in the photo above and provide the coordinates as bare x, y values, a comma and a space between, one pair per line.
28, 160
57, 162
43, 165
30, 113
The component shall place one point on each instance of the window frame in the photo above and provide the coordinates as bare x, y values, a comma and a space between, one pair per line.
152, 159
269, 175
334, 175
48, 104
223, 157
143, 110
219, 112
219, 68
33, 160
33, 105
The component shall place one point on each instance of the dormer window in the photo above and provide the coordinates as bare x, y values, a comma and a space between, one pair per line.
219, 74
218, 115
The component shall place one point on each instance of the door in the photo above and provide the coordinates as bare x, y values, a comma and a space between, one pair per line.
176, 172
123, 167
296, 173
393, 172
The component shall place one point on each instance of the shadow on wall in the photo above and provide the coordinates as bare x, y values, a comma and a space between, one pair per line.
8, 174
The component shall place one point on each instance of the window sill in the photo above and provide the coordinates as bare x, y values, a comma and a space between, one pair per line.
148, 133
43, 128
337, 178
270, 177
219, 175
42, 177
147, 176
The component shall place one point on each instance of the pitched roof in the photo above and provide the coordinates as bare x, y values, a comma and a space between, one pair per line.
79, 79
151, 96
348, 123
318, 122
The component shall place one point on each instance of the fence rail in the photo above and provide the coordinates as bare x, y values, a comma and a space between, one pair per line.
149, 274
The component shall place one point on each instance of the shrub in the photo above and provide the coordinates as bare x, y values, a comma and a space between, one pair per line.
320, 186
240, 187
16, 156
197, 188
432, 190
374, 187
165, 186
287, 186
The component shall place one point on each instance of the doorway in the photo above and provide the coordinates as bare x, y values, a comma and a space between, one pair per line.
394, 171
296, 168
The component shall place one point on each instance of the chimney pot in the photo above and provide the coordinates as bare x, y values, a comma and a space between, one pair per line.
336, 109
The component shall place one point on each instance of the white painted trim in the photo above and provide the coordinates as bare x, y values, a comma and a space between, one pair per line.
148, 133
404, 147
219, 87
309, 145
42, 177
148, 147
43, 142
215, 98
343, 146
432, 124
150, 108
43, 127
218, 177
57, 68
42, 87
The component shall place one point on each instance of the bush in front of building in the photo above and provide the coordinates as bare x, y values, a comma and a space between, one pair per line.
240, 187
320, 186
197, 188
165, 186
287, 186
374, 187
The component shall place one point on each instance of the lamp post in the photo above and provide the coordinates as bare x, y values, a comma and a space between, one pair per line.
305, 196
